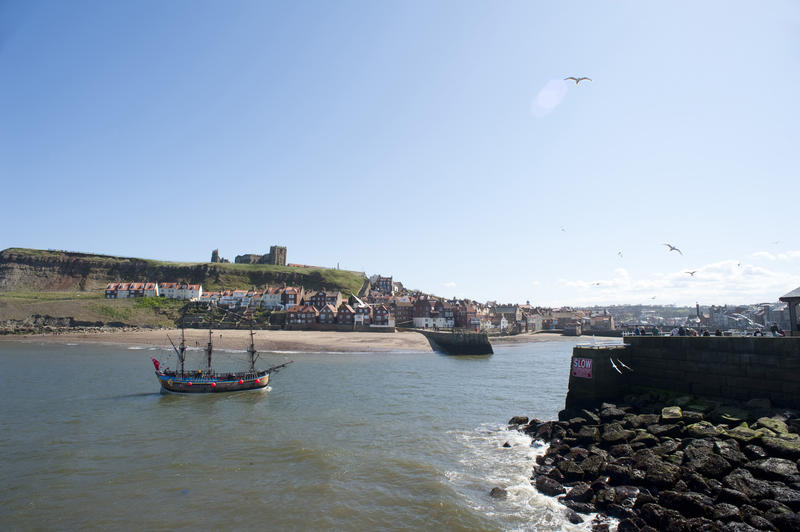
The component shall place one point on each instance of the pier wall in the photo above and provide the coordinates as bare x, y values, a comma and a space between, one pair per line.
738, 368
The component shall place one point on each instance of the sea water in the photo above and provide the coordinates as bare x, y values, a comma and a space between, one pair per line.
358, 441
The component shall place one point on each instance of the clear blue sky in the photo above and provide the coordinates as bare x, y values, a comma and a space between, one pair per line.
431, 141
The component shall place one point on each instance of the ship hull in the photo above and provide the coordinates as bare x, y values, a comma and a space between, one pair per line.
200, 384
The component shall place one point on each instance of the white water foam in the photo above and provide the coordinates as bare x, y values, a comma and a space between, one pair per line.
136, 347
487, 464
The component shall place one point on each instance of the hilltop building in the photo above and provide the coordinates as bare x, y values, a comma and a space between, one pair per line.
276, 256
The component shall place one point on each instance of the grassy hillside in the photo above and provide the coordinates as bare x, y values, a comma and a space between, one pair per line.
89, 307
28, 270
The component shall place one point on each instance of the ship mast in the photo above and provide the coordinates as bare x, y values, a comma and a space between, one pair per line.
209, 348
252, 349
182, 350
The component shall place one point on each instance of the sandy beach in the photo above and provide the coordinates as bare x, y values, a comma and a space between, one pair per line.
313, 341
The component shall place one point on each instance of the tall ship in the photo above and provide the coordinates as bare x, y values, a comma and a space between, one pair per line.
207, 380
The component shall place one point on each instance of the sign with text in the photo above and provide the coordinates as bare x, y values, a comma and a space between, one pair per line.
582, 367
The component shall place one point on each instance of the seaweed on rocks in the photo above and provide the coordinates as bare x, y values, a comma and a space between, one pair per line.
658, 466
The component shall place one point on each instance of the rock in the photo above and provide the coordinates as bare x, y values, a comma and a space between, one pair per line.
670, 414
743, 481
787, 522
702, 429
517, 420
690, 416
644, 437
643, 420
619, 511
782, 447
622, 449
754, 452
592, 466
728, 495
581, 507
672, 430
626, 495
758, 522
710, 465
580, 492
787, 496
570, 469
506, 445
740, 527
668, 446
725, 512
729, 450
652, 514
729, 414
773, 468
742, 434
498, 493
619, 474
590, 416
689, 504
588, 434
614, 433
605, 497
610, 414
662, 475
572, 516
775, 425
548, 486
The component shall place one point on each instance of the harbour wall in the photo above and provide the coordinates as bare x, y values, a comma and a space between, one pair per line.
736, 368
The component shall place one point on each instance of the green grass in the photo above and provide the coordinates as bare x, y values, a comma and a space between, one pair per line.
29, 295
115, 313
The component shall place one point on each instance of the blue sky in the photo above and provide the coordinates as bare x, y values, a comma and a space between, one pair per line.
433, 141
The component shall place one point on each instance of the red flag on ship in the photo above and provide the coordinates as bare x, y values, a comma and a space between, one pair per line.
156, 363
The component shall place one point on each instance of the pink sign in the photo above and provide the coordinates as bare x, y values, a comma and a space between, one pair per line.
582, 367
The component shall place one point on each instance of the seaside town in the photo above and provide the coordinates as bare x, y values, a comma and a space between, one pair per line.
385, 303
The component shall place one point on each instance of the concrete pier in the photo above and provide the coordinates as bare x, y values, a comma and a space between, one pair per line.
737, 368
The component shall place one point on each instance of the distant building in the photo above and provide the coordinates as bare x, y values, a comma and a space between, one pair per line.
276, 256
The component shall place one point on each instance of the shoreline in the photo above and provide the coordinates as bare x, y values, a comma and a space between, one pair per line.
313, 341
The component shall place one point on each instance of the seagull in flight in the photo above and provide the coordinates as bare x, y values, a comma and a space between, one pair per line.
619, 253
673, 248
692, 272
653, 297
577, 80
596, 284
562, 228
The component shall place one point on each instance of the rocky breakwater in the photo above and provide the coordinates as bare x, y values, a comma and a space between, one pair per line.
680, 465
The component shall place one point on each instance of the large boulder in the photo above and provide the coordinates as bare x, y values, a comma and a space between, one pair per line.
662, 474
774, 424
743, 481
702, 429
580, 492
614, 433
548, 486
671, 414
689, 504
773, 468
784, 448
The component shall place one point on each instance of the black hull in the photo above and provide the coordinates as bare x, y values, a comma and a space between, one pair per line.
198, 384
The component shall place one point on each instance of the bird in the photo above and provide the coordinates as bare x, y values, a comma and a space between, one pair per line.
577, 80
739, 264
673, 248
619, 253
653, 297
596, 284
692, 272
562, 228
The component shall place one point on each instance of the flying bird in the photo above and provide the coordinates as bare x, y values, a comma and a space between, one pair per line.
619, 253
692, 272
673, 248
562, 228
653, 297
577, 80
596, 284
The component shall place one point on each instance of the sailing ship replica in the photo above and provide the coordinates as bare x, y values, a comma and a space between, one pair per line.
207, 380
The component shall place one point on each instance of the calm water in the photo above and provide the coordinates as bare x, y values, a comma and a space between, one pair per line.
391, 441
